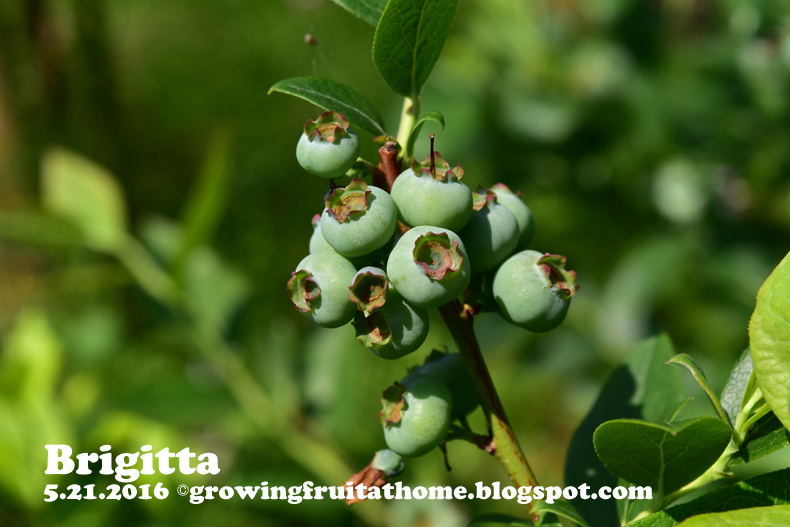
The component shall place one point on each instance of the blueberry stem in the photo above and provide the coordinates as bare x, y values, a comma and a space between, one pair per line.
433, 155
505, 445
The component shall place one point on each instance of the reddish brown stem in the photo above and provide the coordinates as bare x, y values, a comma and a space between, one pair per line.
389, 165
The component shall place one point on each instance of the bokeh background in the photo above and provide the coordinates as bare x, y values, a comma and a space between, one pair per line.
650, 138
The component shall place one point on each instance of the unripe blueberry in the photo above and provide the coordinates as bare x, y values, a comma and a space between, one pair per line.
319, 288
516, 205
416, 415
450, 369
429, 266
358, 219
317, 241
328, 147
491, 234
369, 289
393, 330
432, 193
388, 462
534, 290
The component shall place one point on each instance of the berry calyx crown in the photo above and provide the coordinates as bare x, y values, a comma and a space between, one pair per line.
373, 331
303, 290
330, 126
392, 402
348, 200
504, 188
369, 291
553, 266
436, 167
437, 254
482, 197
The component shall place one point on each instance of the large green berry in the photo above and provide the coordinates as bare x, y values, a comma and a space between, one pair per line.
358, 219
450, 369
416, 415
516, 205
431, 193
393, 330
429, 266
491, 234
534, 290
328, 147
319, 288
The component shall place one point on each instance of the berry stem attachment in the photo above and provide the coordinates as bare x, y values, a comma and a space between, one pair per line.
389, 165
433, 155
505, 445
411, 109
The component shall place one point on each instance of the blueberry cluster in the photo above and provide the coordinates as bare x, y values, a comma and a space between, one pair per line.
382, 259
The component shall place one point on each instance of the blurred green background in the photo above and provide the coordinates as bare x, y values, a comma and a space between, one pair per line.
649, 138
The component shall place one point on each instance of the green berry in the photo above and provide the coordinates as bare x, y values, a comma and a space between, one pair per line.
317, 241
393, 330
450, 369
358, 219
369, 289
491, 234
328, 147
432, 193
416, 415
319, 289
388, 462
516, 205
534, 290
429, 266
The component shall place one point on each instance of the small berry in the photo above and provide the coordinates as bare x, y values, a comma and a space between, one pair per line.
534, 290
317, 241
491, 234
369, 289
388, 462
450, 369
358, 219
319, 289
416, 415
516, 205
328, 147
432, 193
429, 266
393, 330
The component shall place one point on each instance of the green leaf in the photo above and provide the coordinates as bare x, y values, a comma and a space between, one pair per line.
766, 437
28, 226
665, 456
213, 289
331, 95
207, 201
409, 39
499, 520
643, 388
86, 195
368, 10
687, 361
763, 490
737, 390
756, 517
415, 131
564, 509
769, 341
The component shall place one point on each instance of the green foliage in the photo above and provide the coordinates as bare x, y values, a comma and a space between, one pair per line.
368, 10
766, 437
760, 491
663, 456
332, 95
769, 338
764, 516
409, 39
689, 363
563, 509
85, 194
739, 387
